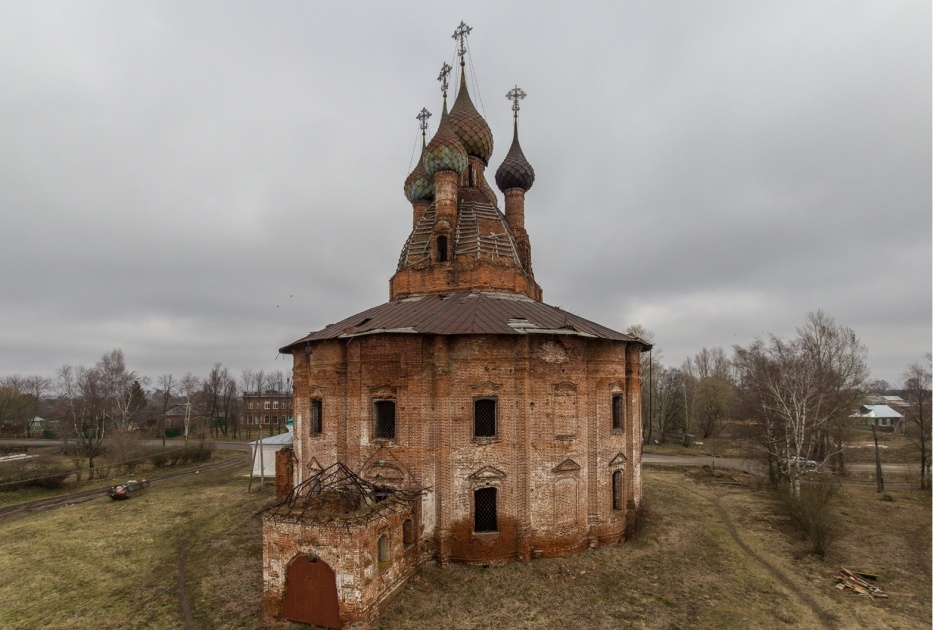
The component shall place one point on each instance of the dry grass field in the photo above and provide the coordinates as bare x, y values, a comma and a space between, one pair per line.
713, 552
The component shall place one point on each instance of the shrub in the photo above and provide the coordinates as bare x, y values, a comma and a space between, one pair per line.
50, 474
159, 459
812, 515
203, 451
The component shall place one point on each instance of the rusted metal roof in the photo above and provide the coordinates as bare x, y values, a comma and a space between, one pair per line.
465, 314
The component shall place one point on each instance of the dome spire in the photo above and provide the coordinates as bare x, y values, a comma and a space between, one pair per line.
466, 122
422, 117
418, 185
444, 152
460, 34
515, 171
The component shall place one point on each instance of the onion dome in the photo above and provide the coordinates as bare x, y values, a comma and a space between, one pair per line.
469, 126
444, 152
515, 171
418, 185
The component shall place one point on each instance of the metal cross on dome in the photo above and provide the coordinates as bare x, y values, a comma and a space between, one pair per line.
442, 77
423, 116
461, 34
515, 95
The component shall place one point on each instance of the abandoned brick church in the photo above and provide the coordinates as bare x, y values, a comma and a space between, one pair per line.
464, 420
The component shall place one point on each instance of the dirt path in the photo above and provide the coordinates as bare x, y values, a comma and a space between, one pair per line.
827, 619
182, 596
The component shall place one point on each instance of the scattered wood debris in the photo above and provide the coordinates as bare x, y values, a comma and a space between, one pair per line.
860, 582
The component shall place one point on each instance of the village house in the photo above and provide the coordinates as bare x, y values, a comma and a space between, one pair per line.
464, 420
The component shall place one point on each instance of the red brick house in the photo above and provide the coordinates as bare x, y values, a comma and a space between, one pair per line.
464, 420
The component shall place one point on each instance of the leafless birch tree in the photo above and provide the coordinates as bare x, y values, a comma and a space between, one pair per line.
801, 389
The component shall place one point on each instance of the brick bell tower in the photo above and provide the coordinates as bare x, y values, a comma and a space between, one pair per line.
460, 240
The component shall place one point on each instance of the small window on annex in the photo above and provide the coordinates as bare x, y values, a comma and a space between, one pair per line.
484, 417
384, 419
485, 517
316, 421
408, 532
618, 412
383, 547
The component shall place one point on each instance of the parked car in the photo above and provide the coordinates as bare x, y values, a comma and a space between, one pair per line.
802, 461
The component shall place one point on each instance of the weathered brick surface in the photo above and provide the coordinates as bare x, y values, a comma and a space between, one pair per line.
284, 472
364, 585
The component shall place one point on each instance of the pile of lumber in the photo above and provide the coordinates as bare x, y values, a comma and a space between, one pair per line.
859, 582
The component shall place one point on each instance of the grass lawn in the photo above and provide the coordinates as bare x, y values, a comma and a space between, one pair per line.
710, 554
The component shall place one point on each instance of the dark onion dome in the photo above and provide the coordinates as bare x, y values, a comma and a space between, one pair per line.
470, 127
515, 171
444, 152
418, 185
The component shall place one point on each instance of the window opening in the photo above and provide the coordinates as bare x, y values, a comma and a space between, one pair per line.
408, 533
266, 405
441, 249
316, 424
618, 412
384, 412
484, 510
275, 405
617, 503
484, 417
383, 550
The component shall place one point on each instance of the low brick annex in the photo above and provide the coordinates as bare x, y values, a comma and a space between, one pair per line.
465, 420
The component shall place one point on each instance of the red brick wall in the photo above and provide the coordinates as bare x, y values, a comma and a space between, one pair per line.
554, 404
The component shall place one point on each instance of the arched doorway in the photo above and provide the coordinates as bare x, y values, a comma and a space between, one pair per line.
311, 593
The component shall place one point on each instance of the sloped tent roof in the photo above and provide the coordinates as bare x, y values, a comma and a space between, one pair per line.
282, 439
876, 411
465, 314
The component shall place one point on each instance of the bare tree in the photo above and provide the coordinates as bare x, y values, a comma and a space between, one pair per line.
123, 389
15, 407
230, 403
650, 362
35, 388
188, 385
82, 391
277, 380
669, 403
218, 388
800, 389
166, 385
714, 404
917, 381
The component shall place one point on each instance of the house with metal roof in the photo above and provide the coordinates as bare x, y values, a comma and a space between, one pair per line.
881, 416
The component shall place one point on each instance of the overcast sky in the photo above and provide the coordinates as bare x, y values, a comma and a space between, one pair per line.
202, 181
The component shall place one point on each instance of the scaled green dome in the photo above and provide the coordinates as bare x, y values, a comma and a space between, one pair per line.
444, 152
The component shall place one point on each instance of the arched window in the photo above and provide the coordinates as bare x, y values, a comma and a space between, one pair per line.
408, 533
383, 550
617, 500
441, 249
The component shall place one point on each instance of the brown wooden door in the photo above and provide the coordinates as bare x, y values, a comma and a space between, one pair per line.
311, 593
